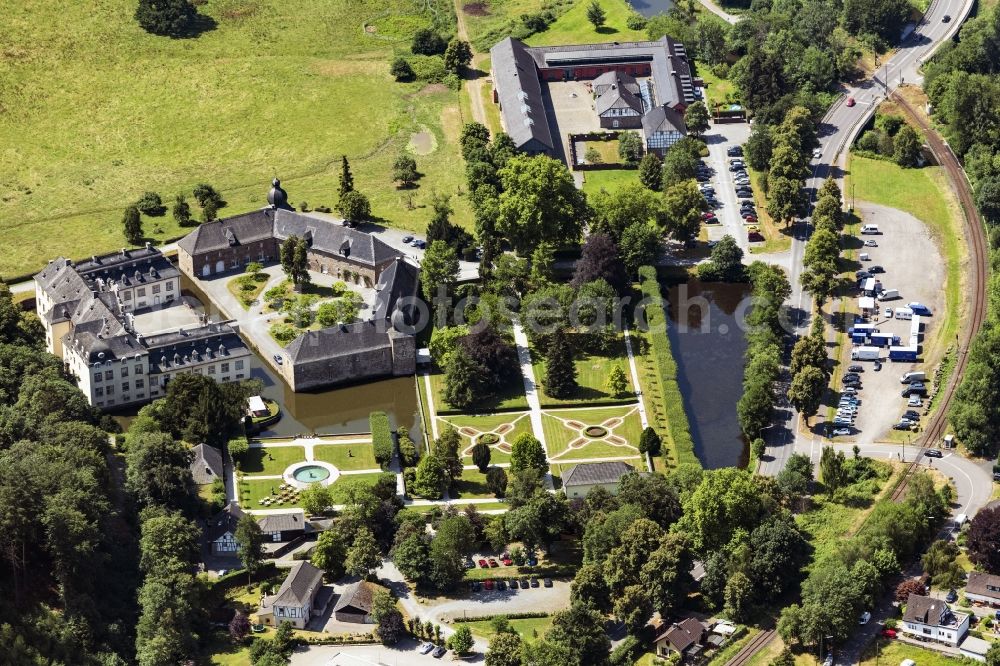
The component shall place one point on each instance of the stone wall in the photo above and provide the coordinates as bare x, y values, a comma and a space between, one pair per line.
354, 367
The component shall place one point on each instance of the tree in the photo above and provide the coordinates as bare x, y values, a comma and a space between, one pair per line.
239, 627
589, 587
727, 259
250, 544
806, 390
678, 166
630, 147
294, 260
758, 147
363, 555
599, 260
795, 478
439, 270
527, 453
983, 540
993, 655
157, 470
389, 625
617, 384
463, 379
209, 210
884, 18
638, 246
939, 563
628, 205
168, 18
496, 481
354, 206
596, 14
504, 650
632, 607
831, 468
346, 183
907, 147
696, 118
481, 453
431, 478
649, 441
739, 597
784, 198
457, 56
683, 204
151, 204
651, 172
404, 170
330, 552
908, 587
445, 449
132, 224
784, 658
560, 371
580, 629
316, 499
539, 202
461, 641
401, 70
428, 42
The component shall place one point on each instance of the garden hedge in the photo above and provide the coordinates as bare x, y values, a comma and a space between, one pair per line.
678, 428
382, 443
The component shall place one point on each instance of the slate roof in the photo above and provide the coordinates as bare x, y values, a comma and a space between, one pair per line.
205, 456
924, 610
616, 79
288, 521
519, 90
585, 474
983, 584
249, 227
617, 98
662, 119
682, 635
299, 587
357, 595
178, 349
222, 522
397, 281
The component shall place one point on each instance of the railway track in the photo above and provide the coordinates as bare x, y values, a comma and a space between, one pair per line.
976, 234
750, 649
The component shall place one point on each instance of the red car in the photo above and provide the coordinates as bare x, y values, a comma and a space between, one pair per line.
707, 216
489, 584
850, 101
493, 563
507, 561
484, 564
889, 633
750, 218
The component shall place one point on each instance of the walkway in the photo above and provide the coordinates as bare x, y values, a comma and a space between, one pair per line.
731, 19
530, 389
431, 410
634, 371
473, 85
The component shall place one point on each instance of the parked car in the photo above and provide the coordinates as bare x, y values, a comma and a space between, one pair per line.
707, 216
876, 269
855, 368
439, 652
534, 582
734, 151
919, 309
849, 390
501, 585
524, 584
817, 153
278, 359
850, 376
420, 245
877, 366
946, 18
488, 584
865, 618
409, 239
841, 432
532, 561
933, 453
425, 648
902, 426
888, 633
888, 313
507, 561
475, 586
952, 596
850, 102
483, 564
912, 415
512, 584
493, 562
547, 582
915, 401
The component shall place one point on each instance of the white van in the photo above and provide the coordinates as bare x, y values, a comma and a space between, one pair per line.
917, 376
870, 229
888, 295
904, 313
864, 256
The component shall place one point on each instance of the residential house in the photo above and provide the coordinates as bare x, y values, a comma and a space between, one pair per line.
298, 599
983, 588
584, 477
931, 619
355, 604
220, 533
662, 127
281, 527
206, 464
618, 102
686, 638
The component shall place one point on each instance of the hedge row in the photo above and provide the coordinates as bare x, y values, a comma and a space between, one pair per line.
509, 616
381, 438
666, 368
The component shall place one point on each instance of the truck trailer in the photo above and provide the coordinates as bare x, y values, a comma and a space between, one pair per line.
904, 354
865, 353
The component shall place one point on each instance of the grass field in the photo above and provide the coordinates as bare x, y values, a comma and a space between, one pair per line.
346, 456
608, 151
270, 460
894, 652
574, 28
774, 239
716, 89
610, 180
471, 484
559, 434
510, 399
591, 377
925, 194
118, 111
530, 629
486, 423
253, 490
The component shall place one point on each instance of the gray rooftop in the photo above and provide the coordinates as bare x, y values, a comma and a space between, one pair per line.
662, 119
515, 77
616, 97
289, 521
925, 610
357, 595
175, 350
299, 587
586, 474
205, 456
615, 79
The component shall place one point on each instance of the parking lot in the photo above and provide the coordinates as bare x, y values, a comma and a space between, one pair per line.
403, 653
913, 265
720, 138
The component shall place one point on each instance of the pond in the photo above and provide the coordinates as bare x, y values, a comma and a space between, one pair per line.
708, 342
650, 8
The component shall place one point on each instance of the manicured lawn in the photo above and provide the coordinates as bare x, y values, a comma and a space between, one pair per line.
122, 111
247, 296
252, 491
486, 423
511, 399
341, 488
559, 435
608, 151
610, 180
471, 484
717, 90
574, 28
775, 240
530, 629
894, 652
591, 377
925, 194
270, 460
347, 456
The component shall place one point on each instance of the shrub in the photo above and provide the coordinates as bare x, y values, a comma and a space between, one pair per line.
381, 438
593, 156
238, 447
666, 367
284, 333
627, 652
428, 42
150, 203
635, 21
488, 438
401, 70
428, 68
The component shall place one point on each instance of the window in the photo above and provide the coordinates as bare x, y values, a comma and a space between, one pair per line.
239, 364
99, 392
127, 296
138, 369
211, 369
111, 390
140, 383
109, 375
124, 387
97, 378
615, 123
124, 371
156, 288
141, 291
225, 367
169, 286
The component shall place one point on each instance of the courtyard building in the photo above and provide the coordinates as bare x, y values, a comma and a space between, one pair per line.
584, 477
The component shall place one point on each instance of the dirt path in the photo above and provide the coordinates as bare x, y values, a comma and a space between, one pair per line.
473, 82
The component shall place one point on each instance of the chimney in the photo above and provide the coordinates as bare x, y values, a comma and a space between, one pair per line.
149, 246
